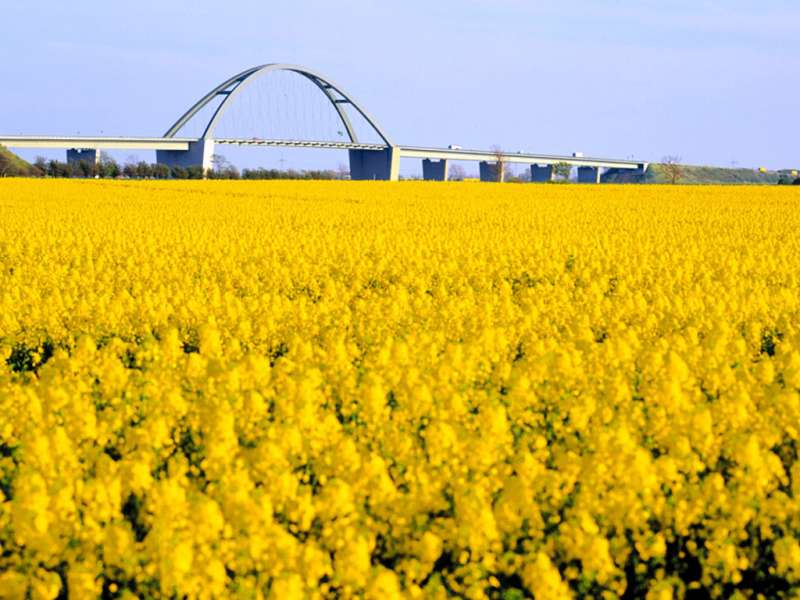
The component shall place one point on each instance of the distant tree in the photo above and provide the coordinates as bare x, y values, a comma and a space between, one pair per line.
224, 172
219, 163
129, 170
500, 163
160, 171
85, 169
108, 167
562, 170
342, 171
319, 174
673, 168
261, 173
194, 172
179, 173
40, 165
457, 173
112, 169
143, 170
797, 181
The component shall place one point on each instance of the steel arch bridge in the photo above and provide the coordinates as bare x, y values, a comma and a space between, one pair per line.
367, 160
234, 86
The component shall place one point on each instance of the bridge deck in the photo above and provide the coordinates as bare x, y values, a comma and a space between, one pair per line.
332, 145
162, 143
95, 142
517, 157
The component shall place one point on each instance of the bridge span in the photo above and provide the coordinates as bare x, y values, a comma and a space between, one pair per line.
368, 160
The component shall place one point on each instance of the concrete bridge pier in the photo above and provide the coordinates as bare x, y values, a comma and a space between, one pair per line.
435, 170
540, 173
87, 155
198, 155
375, 164
588, 174
488, 171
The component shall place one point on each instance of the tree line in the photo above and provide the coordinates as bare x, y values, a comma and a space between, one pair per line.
108, 168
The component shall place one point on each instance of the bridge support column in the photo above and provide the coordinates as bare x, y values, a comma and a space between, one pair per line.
375, 164
198, 155
588, 174
488, 171
87, 155
434, 170
540, 173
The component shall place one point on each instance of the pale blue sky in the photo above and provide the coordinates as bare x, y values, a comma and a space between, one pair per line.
713, 82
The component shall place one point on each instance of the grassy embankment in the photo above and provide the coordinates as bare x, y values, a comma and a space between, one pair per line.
694, 174
12, 165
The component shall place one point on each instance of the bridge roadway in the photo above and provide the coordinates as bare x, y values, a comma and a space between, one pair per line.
434, 159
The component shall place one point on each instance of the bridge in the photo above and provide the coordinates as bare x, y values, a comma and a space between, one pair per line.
377, 158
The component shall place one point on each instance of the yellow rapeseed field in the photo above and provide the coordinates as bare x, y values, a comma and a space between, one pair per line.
309, 390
